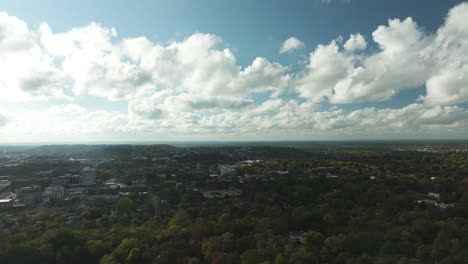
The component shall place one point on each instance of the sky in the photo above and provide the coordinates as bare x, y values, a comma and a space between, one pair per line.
218, 70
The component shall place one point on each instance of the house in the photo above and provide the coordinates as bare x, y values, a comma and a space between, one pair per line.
296, 237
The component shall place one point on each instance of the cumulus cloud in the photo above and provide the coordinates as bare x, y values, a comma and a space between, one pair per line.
158, 107
376, 77
195, 86
355, 42
291, 44
449, 82
196, 66
269, 106
327, 66
193, 75
408, 58
94, 63
28, 71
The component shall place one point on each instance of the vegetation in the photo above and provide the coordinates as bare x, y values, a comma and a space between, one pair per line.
350, 207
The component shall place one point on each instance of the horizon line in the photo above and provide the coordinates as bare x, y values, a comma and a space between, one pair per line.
150, 142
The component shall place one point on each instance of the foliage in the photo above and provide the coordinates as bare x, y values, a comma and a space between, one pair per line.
351, 218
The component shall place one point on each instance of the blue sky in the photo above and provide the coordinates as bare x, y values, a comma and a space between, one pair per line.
254, 28
213, 70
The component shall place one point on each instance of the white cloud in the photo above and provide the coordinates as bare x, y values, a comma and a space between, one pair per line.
448, 86
449, 83
196, 87
27, 71
196, 66
327, 66
136, 69
291, 44
354, 78
195, 76
94, 63
294, 118
171, 106
269, 106
273, 119
355, 42
408, 58
65, 123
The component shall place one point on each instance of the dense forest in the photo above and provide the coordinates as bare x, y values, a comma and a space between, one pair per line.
348, 207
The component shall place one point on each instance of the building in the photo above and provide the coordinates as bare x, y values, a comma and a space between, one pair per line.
226, 170
204, 166
6, 203
221, 193
88, 176
17, 184
70, 180
296, 237
113, 184
5, 188
53, 192
30, 195
434, 195
436, 204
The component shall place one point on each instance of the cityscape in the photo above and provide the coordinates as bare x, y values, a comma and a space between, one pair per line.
298, 195
234, 132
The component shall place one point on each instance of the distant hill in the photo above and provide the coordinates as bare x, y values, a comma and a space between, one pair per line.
96, 151
14, 148
63, 149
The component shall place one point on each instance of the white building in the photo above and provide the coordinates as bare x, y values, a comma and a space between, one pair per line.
226, 170
5, 203
53, 192
89, 176
113, 184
